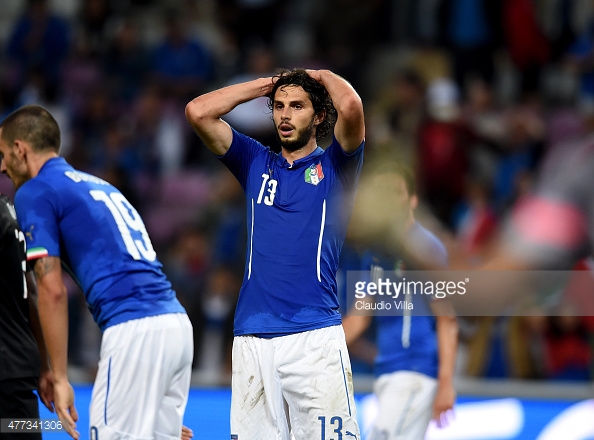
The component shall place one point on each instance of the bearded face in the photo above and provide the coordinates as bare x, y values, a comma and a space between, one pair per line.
294, 118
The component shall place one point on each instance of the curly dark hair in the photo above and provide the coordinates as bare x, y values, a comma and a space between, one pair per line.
319, 96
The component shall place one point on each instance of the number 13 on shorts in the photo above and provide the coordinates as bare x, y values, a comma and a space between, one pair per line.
334, 425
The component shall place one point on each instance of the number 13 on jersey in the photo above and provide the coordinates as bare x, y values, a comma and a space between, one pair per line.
268, 185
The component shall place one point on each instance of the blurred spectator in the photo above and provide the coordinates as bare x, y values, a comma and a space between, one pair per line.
506, 347
218, 305
569, 354
229, 223
82, 73
395, 118
344, 32
126, 63
471, 30
182, 66
250, 21
475, 222
157, 132
580, 58
528, 48
187, 266
562, 21
443, 151
93, 20
520, 156
39, 41
487, 119
89, 125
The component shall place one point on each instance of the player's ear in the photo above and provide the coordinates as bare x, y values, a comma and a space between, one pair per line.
319, 117
414, 201
19, 148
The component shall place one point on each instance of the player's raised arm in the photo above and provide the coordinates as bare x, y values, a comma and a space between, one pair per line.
204, 112
350, 124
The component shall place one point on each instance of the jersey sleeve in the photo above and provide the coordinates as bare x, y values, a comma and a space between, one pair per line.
348, 165
38, 213
240, 156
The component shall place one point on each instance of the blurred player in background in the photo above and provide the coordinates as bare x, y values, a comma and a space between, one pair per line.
416, 355
291, 369
24, 366
83, 222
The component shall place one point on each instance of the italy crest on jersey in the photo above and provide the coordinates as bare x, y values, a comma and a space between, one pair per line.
314, 174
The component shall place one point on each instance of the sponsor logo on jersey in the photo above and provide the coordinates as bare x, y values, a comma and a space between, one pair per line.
29, 234
314, 174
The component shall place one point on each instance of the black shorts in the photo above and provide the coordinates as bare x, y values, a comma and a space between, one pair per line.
17, 400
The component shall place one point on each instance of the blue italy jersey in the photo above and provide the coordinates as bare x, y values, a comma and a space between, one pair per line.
100, 237
409, 342
297, 216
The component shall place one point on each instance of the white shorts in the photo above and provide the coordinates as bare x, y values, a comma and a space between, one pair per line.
405, 401
297, 386
143, 380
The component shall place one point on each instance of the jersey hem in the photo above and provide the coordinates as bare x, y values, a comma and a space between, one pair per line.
278, 332
120, 319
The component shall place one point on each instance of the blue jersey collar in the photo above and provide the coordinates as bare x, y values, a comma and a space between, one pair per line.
52, 162
299, 163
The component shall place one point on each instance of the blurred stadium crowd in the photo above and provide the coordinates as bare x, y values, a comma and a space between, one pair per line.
475, 95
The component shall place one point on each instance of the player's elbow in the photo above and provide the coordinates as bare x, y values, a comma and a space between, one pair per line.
194, 112
351, 108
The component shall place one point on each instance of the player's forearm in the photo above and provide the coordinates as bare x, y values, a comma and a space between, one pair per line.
35, 323
219, 102
350, 125
53, 314
345, 98
447, 340
354, 326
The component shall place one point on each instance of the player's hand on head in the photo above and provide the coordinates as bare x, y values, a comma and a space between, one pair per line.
64, 405
46, 389
186, 433
315, 74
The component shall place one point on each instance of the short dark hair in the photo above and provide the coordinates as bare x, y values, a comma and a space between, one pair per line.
319, 96
34, 124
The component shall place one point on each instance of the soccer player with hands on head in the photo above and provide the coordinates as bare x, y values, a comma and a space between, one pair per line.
291, 372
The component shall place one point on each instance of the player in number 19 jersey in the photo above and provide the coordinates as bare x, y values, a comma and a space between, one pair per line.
83, 223
91, 226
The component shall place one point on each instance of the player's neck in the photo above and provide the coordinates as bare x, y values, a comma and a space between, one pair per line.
36, 161
306, 150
